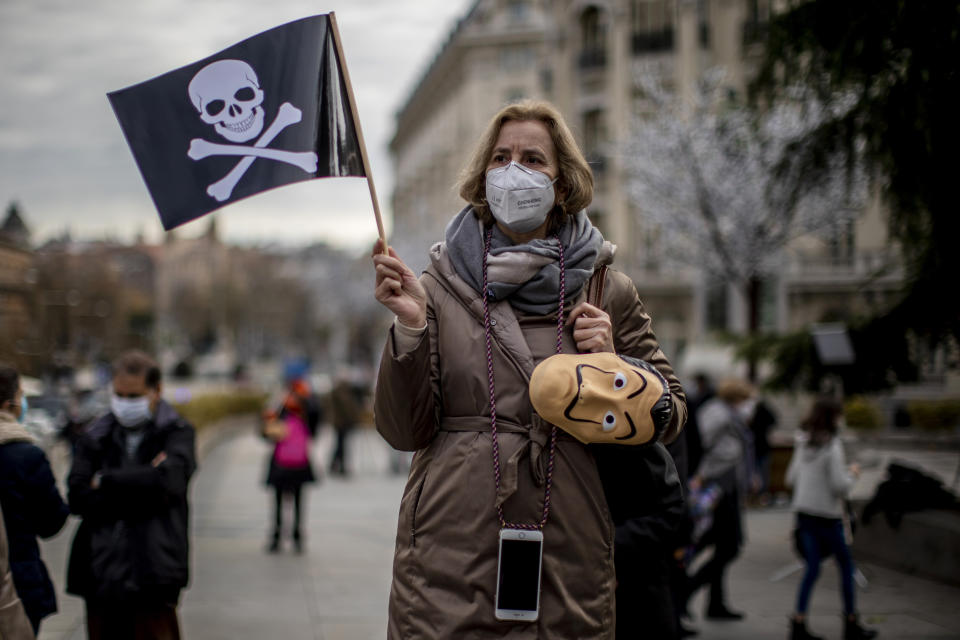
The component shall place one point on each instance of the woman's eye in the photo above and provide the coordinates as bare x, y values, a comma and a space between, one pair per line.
619, 381
609, 421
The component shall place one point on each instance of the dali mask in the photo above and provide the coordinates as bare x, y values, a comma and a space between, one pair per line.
602, 397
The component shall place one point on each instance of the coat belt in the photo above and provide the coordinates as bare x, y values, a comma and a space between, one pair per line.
535, 447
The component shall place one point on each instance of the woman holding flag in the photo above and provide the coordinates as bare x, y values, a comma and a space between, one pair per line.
453, 387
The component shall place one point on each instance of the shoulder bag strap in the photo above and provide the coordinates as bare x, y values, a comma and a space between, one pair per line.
595, 286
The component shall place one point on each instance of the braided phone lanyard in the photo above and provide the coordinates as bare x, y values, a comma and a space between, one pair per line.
493, 401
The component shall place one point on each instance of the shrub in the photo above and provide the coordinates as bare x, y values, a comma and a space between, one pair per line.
860, 414
206, 409
934, 415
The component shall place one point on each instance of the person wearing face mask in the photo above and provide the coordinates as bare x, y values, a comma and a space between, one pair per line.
31, 503
727, 462
128, 483
507, 288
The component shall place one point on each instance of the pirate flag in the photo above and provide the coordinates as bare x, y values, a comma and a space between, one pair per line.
268, 111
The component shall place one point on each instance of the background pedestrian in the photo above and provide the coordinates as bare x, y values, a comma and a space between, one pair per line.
345, 405
32, 505
726, 462
129, 480
821, 480
291, 428
14, 623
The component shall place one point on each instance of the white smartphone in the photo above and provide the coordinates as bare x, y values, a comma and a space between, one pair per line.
518, 575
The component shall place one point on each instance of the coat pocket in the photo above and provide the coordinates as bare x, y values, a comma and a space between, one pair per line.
413, 510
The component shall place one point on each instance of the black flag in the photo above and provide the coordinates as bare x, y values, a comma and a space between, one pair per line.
268, 111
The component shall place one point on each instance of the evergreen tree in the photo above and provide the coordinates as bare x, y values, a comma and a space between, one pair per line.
898, 60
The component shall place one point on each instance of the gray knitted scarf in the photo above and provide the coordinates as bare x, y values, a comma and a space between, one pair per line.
527, 275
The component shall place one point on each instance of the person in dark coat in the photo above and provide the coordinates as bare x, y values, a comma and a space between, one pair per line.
32, 505
14, 623
761, 423
131, 470
686, 452
646, 504
290, 467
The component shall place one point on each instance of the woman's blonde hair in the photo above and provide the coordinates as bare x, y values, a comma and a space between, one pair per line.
575, 180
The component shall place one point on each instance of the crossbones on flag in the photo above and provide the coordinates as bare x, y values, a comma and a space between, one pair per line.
270, 110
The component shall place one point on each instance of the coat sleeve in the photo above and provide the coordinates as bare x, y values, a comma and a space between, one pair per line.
656, 528
633, 336
138, 488
793, 469
134, 489
841, 480
82, 498
47, 511
722, 451
405, 404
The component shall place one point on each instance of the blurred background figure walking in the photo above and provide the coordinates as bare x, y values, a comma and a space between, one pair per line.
31, 502
725, 465
345, 402
291, 425
762, 422
821, 481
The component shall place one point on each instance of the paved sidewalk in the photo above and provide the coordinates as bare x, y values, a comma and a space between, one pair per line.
339, 588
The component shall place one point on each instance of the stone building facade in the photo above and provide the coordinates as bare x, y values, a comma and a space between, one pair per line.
582, 56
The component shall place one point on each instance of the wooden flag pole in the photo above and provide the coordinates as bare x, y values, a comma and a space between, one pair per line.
356, 124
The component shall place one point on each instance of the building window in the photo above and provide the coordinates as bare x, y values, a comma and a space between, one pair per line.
599, 220
652, 25
516, 58
841, 243
703, 23
546, 80
757, 22
593, 38
515, 95
716, 311
519, 10
594, 139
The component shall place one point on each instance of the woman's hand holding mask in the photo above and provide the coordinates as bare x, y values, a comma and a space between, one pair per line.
592, 329
398, 289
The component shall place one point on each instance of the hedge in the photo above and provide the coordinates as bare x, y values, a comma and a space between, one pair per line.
209, 408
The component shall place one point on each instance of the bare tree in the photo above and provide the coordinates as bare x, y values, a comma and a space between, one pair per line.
716, 181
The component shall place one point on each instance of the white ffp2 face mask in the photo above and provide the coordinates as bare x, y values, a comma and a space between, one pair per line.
130, 412
519, 198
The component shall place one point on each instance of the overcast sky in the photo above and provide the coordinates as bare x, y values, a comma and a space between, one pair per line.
64, 158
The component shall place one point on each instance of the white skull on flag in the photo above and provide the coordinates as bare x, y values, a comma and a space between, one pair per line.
227, 95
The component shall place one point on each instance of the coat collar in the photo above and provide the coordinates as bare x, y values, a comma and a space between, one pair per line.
11, 430
504, 326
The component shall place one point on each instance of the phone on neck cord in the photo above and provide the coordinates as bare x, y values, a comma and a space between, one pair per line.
519, 565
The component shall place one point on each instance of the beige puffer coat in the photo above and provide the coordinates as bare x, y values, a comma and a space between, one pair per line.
434, 400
